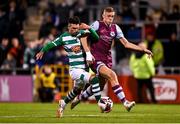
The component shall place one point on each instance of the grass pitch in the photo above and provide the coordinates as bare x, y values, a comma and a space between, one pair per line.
88, 113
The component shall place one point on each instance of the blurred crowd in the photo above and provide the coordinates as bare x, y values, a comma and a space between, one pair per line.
17, 51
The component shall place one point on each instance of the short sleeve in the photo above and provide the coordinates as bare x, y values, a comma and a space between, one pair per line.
95, 25
119, 32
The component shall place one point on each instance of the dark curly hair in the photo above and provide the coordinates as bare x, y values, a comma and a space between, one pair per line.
74, 20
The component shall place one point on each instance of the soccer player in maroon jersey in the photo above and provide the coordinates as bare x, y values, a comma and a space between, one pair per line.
101, 50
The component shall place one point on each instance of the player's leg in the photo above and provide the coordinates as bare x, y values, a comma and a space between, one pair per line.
82, 97
94, 81
77, 76
88, 92
102, 82
118, 90
87, 77
70, 96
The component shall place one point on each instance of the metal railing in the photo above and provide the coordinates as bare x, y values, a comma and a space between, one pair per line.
21, 71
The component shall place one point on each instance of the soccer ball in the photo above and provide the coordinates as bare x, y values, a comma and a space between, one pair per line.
105, 104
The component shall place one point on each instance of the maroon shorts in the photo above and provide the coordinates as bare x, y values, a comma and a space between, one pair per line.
98, 63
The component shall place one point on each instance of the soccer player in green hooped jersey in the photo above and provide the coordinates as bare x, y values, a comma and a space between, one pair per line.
72, 41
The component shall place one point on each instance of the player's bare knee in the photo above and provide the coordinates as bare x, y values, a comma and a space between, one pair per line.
91, 77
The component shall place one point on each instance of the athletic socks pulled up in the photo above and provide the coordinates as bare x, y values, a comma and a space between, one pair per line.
95, 88
119, 93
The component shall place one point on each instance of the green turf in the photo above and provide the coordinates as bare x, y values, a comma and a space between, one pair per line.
88, 113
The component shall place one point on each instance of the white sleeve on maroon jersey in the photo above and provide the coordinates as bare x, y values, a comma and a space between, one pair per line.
119, 32
95, 25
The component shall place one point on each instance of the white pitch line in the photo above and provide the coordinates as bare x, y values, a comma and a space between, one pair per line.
73, 115
19, 116
40, 116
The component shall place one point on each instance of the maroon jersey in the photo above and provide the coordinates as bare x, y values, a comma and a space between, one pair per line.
101, 50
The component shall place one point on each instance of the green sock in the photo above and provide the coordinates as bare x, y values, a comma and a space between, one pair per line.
95, 88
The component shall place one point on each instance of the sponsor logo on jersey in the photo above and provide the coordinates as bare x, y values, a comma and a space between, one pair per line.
76, 49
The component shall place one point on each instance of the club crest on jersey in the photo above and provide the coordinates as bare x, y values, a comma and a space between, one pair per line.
112, 34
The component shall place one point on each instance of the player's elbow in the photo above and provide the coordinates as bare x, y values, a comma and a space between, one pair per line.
126, 45
125, 42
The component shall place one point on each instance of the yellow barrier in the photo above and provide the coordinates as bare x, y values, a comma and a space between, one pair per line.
62, 73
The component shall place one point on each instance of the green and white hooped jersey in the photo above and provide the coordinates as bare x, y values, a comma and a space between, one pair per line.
72, 46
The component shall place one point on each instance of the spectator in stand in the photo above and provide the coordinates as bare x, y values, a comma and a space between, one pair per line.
143, 70
46, 26
9, 63
171, 48
29, 53
14, 27
164, 30
155, 16
63, 11
51, 36
3, 49
150, 26
49, 58
53, 13
173, 37
3, 23
17, 51
175, 15
127, 13
81, 11
95, 3
143, 10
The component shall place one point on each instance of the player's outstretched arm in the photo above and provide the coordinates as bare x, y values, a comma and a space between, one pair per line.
89, 56
93, 33
132, 46
46, 48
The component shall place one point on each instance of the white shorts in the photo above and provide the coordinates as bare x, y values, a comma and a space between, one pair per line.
80, 77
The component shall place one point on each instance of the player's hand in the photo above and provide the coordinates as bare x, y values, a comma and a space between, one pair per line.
150, 54
39, 55
91, 61
89, 58
84, 26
